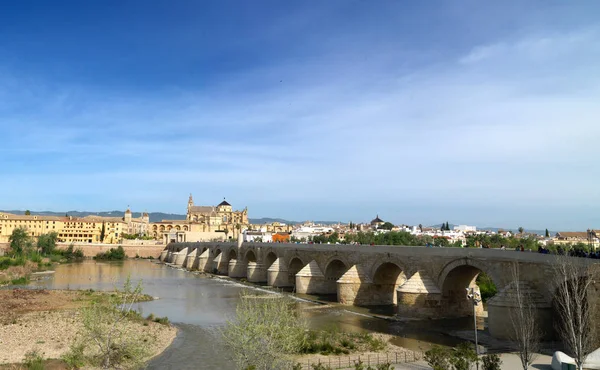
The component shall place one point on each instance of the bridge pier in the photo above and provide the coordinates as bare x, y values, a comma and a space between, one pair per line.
311, 280
191, 263
355, 287
163, 255
256, 272
220, 265
237, 269
179, 257
203, 261
277, 275
504, 305
419, 296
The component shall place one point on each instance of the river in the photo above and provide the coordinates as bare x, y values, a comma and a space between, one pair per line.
198, 305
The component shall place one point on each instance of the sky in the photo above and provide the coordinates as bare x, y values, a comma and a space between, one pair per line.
472, 112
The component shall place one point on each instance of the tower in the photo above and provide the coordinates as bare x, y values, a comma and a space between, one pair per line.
127, 217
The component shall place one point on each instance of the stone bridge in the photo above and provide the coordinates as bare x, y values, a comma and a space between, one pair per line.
419, 281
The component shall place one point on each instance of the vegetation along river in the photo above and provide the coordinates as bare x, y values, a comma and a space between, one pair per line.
198, 305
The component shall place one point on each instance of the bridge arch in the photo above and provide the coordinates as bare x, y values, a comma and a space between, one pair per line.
232, 254
455, 278
387, 276
296, 264
249, 256
335, 268
270, 259
217, 252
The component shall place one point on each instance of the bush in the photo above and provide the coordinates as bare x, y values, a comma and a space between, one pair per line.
113, 254
75, 357
463, 356
491, 362
438, 358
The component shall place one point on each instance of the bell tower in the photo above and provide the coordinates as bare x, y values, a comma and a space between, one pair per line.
189, 207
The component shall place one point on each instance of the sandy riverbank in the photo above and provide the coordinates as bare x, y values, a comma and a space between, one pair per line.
48, 321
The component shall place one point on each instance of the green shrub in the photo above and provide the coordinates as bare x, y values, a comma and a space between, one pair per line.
486, 286
20, 281
491, 362
33, 360
162, 320
113, 254
75, 358
463, 356
438, 358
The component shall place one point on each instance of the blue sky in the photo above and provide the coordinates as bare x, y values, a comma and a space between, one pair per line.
419, 111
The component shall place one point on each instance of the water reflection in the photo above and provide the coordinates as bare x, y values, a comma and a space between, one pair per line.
198, 305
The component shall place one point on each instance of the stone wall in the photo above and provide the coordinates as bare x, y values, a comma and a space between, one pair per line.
91, 250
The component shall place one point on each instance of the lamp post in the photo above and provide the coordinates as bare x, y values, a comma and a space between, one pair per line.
475, 298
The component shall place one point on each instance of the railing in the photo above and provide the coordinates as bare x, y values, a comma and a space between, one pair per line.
348, 361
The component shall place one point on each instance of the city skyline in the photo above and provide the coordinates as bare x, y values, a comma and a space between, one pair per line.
480, 113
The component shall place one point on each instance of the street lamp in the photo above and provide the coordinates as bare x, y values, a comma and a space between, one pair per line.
475, 298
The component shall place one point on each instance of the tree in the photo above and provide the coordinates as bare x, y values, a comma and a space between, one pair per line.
526, 333
102, 232
521, 230
547, 233
576, 324
27, 213
420, 227
447, 226
264, 333
387, 226
106, 340
20, 241
47, 243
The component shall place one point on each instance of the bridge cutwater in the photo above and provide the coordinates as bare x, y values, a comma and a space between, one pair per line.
421, 282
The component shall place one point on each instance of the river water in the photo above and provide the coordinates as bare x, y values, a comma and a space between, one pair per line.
199, 305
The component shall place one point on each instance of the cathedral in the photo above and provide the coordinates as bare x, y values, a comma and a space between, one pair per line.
222, 216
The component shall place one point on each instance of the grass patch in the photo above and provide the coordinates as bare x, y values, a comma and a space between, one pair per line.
332, 341
20, 281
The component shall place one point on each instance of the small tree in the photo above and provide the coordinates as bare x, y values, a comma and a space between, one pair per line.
47, 243
20, 241
265, 331
573, 300
521, 230
547, 233
27, 213
526, 333
438, 358
106, 340
420, 228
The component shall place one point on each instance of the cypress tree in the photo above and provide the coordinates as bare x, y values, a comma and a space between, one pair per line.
102, 232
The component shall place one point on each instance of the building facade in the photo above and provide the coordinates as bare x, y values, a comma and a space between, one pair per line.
71, 229
204, 223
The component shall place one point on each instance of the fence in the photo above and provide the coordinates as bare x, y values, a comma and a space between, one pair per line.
345, 362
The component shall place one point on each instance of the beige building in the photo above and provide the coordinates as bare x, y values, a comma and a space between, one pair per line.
75, 229
203, 223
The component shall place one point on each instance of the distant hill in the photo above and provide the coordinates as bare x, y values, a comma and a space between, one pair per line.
157, 216
154, 216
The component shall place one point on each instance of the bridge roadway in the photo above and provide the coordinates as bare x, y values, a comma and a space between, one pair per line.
419, 281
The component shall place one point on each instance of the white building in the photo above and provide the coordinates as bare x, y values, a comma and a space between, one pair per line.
465, 228
257, 236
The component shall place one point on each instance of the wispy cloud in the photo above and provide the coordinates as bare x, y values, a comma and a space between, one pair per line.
508, 123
